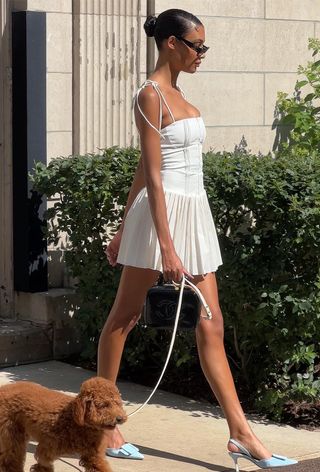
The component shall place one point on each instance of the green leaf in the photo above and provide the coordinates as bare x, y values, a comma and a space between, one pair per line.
301, 83
288, 120
309, 97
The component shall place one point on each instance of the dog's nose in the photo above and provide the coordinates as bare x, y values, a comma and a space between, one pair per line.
119, 419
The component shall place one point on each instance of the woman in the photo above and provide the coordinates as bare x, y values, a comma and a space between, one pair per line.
168, 227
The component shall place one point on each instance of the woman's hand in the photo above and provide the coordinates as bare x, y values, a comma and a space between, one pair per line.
172, 267
112, 248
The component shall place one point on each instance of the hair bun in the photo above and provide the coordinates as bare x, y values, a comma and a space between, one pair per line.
150, 24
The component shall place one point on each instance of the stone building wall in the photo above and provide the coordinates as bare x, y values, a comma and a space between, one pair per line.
255, 49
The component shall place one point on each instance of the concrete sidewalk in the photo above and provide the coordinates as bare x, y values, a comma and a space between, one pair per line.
173, 432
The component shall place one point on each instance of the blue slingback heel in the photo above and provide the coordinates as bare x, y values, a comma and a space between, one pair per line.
274, 461
126, 451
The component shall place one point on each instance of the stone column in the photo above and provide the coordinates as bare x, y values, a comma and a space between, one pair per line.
109, 54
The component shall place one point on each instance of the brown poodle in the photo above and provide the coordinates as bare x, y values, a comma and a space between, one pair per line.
60, 423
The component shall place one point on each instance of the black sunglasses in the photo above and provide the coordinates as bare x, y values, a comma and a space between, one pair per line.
199, 49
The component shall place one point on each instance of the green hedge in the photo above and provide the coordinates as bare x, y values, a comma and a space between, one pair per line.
267, 214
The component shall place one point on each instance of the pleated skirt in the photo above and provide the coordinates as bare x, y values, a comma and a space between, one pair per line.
191, 227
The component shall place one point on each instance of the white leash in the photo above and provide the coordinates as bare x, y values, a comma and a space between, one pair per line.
207, 317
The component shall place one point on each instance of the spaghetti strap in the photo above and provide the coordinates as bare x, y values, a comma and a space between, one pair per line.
160, 94
136, 99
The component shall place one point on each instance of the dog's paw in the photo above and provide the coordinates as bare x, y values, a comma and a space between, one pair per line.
95, 465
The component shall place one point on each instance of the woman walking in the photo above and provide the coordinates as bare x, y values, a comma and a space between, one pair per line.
168, 227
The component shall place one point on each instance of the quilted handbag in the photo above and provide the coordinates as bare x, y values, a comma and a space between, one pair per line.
161, 304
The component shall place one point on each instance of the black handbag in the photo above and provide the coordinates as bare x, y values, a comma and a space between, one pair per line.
161, 305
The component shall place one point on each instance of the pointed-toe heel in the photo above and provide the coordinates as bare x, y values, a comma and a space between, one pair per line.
274, 461
126, 451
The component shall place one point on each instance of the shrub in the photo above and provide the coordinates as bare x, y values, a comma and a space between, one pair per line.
267, 213
298, 121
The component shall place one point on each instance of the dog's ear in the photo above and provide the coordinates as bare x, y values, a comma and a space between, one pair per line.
83, 408
79, 410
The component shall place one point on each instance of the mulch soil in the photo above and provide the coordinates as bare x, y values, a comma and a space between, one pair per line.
302, 415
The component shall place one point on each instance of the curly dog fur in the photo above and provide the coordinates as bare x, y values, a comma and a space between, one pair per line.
60, 423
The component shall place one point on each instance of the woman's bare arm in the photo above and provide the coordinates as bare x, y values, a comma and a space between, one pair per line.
151, 159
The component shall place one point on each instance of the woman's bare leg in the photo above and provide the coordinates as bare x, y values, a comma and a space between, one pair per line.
214, 363
124, 314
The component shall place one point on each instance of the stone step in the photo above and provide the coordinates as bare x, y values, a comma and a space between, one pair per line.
24, 342
43, 327
57, 304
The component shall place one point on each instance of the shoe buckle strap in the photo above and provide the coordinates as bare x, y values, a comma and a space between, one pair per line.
240, 447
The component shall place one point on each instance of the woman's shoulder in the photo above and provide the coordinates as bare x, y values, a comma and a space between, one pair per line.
146, 104
147, 94
148, 84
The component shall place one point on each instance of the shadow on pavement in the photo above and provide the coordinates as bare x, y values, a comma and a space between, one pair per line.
32, 449
187, 460
155, 453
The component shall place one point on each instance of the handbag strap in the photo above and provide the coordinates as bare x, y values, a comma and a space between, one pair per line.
202, 299
175, 327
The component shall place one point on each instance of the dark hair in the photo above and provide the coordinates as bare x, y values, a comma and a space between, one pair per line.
173, 22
